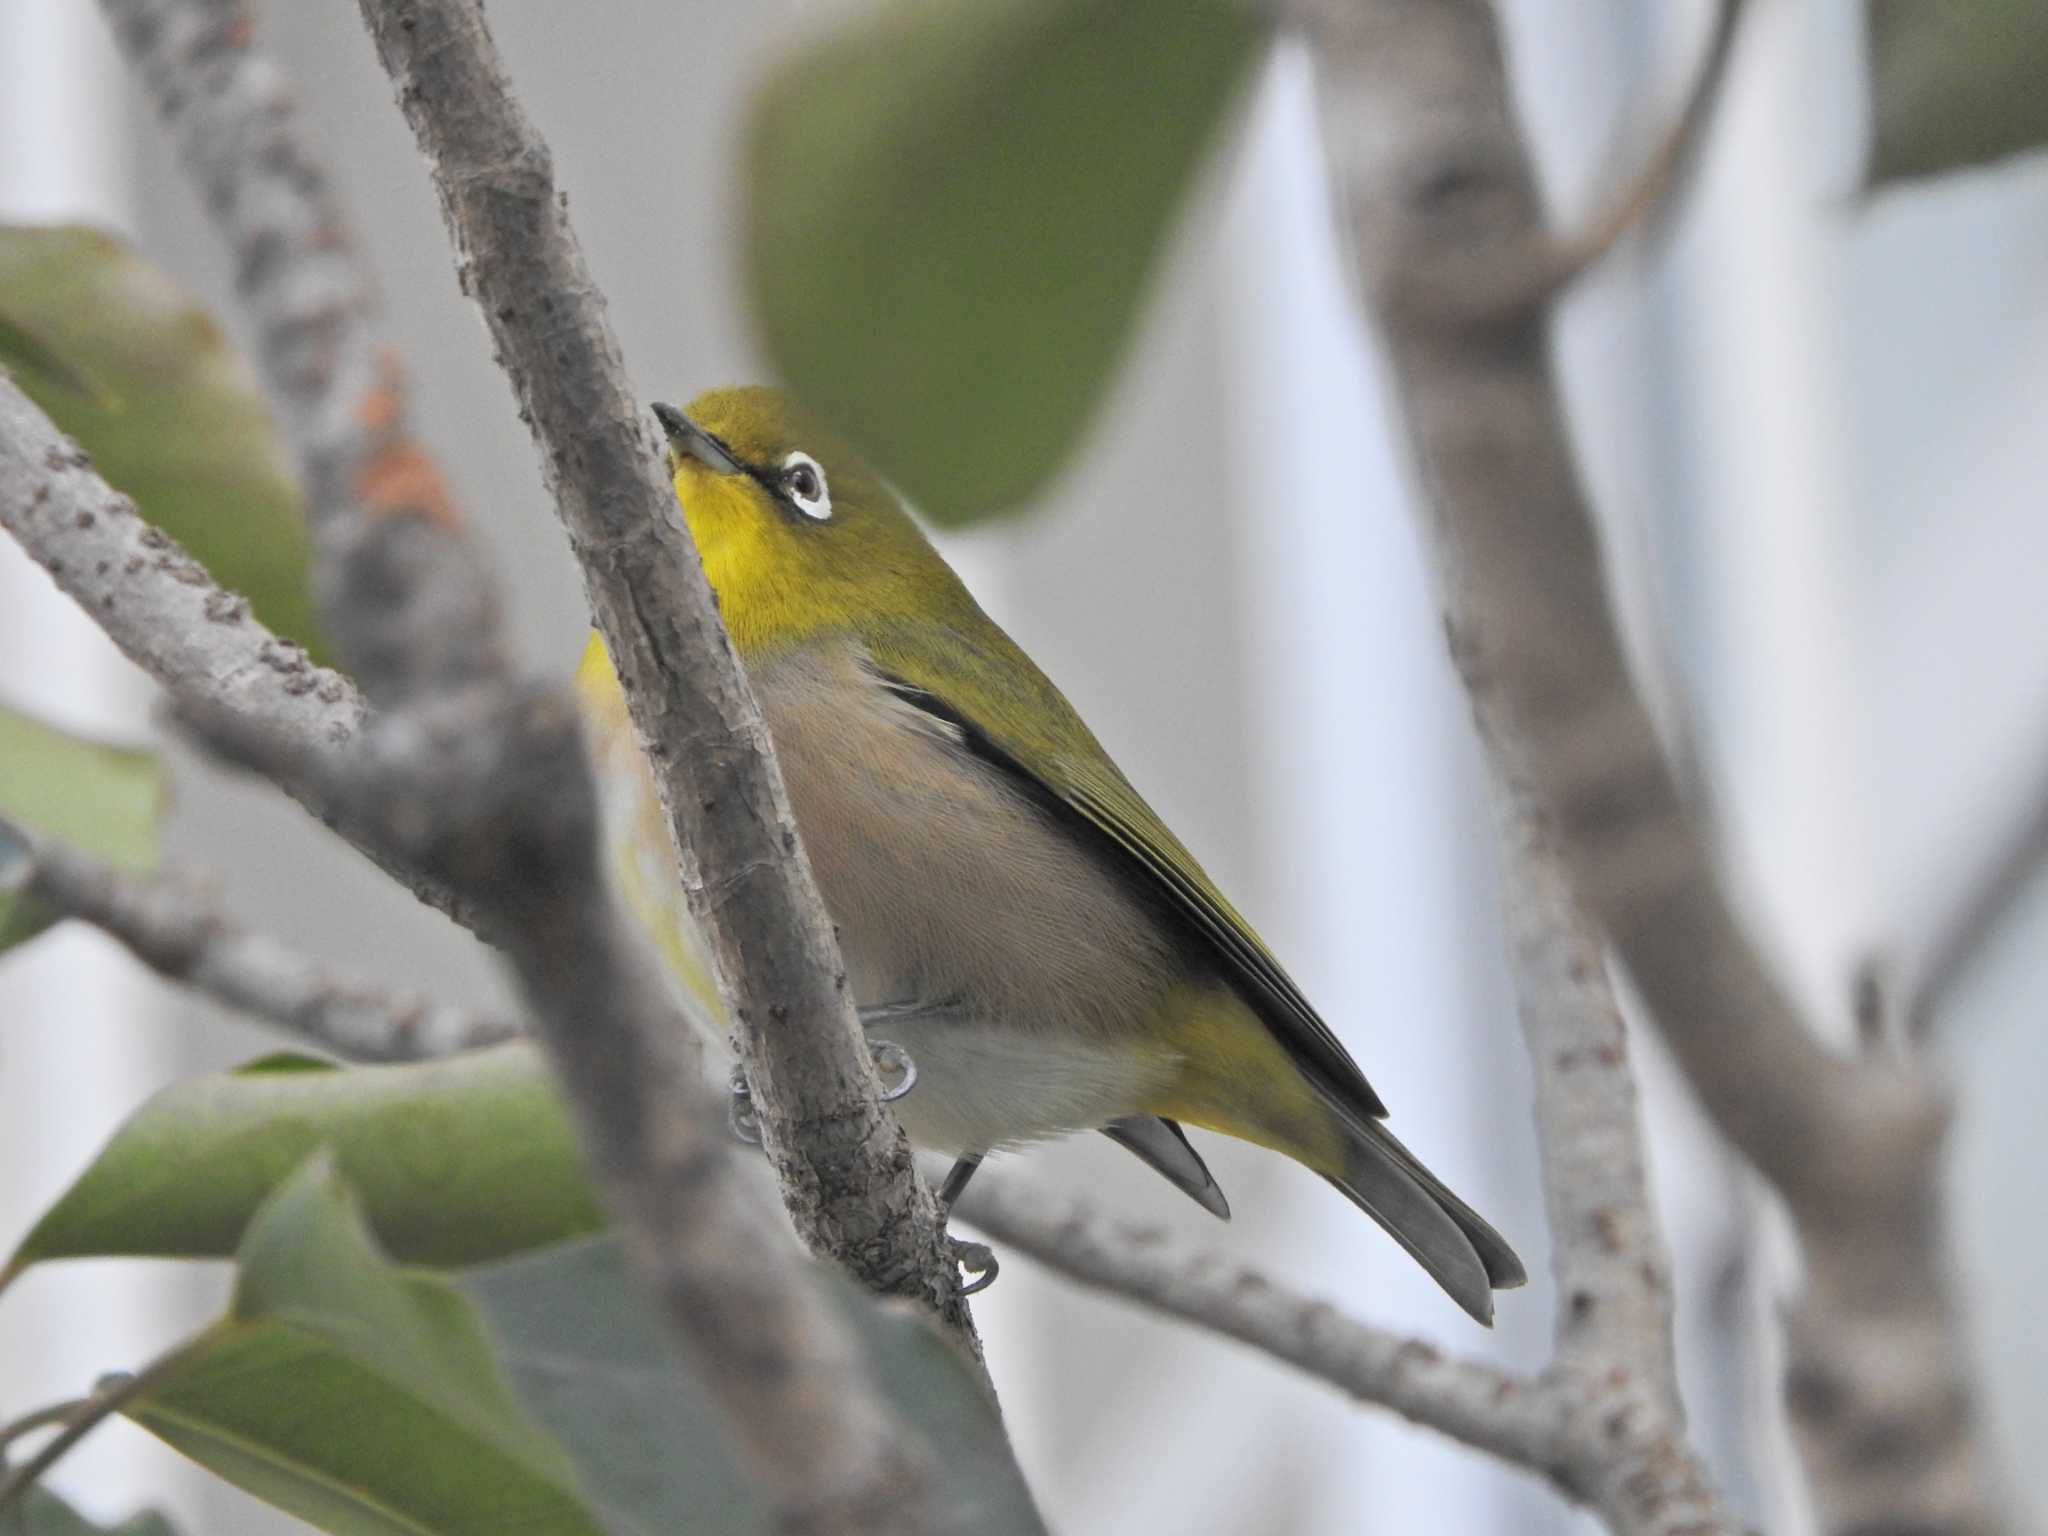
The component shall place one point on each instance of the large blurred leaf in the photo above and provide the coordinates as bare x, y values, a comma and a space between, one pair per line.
953, 211
104, 800
42, 1513
359, 1398
455, 1161
1954, 85
124, 361
594, 1365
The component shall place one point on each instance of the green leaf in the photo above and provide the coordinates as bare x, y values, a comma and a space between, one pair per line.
455, 1161
42, 1513
593, 1363
981, 1488
22, 351
953, 212
126, 363
362, 1399
102, 799
1955, 85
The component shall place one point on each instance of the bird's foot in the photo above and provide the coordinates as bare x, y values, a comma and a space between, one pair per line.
978, 1259
740, 1114
895, 1068
892, 1063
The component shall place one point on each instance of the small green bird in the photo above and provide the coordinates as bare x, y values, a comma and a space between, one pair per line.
1011, 912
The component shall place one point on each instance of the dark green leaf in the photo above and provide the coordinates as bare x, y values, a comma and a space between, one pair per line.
101, 799
27, 356
981, 1487
42, 1513
594, 1365
455, 1161
953, 212
357, 1397
1955, 85
124, 362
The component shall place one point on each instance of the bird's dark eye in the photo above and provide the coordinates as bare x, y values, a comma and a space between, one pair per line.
803, 482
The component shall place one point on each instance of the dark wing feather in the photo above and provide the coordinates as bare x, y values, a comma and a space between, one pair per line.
1027, 728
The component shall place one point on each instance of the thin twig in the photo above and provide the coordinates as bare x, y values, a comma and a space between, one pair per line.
1657, 187
1490, 286
174, 926
91, 1412
404, 593
847, 1175
39, 1418
1961, 938
1480, 1404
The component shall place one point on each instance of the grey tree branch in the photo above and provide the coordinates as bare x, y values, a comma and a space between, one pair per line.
846, 1170
174, 926
1434, 180
153, 600
1493, 1410
1961, 938
404, 593
1613, 1377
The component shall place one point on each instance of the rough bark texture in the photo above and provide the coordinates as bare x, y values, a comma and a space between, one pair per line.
1435, 186
153, 600
846, 1169
403, 592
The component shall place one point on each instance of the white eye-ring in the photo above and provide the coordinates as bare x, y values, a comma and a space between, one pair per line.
803, 482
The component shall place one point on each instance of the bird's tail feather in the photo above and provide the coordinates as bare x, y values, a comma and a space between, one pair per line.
1445, 1236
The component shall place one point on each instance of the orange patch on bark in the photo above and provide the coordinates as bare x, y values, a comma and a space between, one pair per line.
378, 410
401, 481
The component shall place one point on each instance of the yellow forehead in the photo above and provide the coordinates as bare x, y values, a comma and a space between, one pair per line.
762, 426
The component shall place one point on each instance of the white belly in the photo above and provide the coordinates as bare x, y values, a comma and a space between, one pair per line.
981, 1086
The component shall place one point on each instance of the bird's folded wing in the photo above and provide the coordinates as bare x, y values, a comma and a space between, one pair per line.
1009, 713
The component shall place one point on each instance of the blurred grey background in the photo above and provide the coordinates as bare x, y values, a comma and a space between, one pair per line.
1810, 423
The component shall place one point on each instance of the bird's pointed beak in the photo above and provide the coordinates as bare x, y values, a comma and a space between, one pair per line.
687, 438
